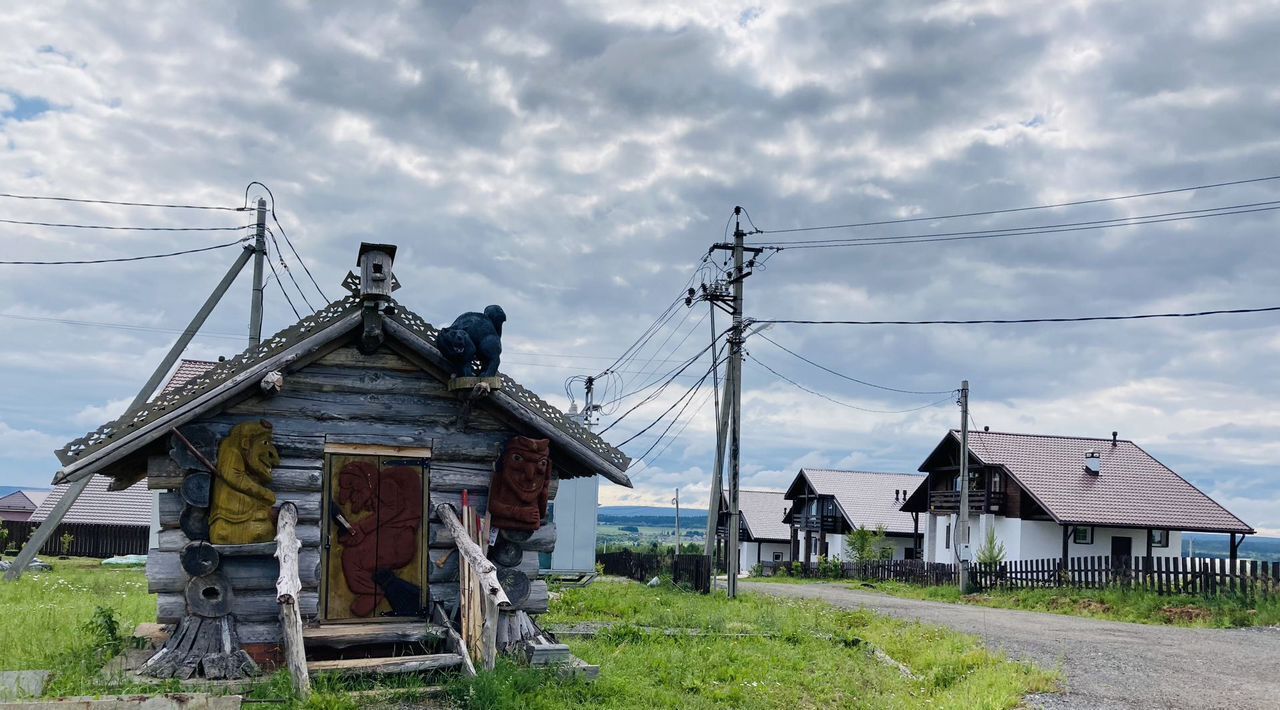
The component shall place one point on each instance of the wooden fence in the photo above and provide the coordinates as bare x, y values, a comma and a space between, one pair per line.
1162, 575
91, 540
639, 566
692, 572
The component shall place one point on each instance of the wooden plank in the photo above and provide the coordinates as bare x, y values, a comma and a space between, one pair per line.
443, 566
345, 635
165, 573
259, 605
323, 377
423, 452
175, 539
398, 664
350, 356
163, 473
542, 540
304, 480
538, 600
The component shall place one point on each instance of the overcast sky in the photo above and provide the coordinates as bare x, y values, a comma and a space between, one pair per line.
573, 161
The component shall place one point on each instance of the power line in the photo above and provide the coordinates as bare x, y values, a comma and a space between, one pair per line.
847, 377
127, 258
1029, 230
1072, 203
797, 385
118, 326
283, 265
122, 203
688, 395
1009, 321
284, 234
281, 285
660, 389
124, 229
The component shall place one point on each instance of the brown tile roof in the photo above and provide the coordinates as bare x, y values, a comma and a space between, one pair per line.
187, 369
96, 504
1133, 489
868, 499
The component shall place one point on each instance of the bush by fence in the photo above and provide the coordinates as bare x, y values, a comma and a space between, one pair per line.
1162, 575
91, 540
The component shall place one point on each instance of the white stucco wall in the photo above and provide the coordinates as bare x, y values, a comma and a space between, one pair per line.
748, 558
575, 519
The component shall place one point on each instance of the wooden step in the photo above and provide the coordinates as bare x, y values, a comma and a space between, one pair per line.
398, 664
344, 635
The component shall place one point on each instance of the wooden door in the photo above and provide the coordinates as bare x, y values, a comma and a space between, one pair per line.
375, 535
1121, 547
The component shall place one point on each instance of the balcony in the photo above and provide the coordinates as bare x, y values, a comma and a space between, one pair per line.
979, 502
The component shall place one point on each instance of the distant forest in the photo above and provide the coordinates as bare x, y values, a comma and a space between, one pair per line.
688, 522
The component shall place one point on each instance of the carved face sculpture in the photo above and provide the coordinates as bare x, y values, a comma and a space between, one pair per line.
518, 495
260, 452
526, 466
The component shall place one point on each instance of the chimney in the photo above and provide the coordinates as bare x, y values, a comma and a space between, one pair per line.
1114, 440
376, 284
896, 493
1093, 462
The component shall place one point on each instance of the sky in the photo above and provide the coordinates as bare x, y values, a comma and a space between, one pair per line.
574, 161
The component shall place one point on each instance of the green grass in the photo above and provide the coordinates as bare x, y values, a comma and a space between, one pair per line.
1114, 604
807, 654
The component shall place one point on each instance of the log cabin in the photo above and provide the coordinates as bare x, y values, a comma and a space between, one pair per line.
323, 497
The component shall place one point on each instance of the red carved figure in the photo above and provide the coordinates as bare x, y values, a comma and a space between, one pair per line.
518, 494
388, 538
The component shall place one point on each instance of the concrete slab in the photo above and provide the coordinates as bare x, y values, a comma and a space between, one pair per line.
22, 684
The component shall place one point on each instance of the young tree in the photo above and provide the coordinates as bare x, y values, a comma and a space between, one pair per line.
865, 545
992, 552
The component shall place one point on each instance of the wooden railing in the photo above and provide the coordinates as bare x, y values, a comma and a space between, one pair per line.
949, 501
481, 597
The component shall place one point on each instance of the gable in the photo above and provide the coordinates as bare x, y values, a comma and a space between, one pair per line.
301, 351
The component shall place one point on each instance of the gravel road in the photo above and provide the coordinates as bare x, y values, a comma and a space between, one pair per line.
1107, 664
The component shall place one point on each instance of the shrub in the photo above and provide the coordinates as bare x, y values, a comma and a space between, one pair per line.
865, 545
4, 539
830, 568
757, 570
67, 538
797, 569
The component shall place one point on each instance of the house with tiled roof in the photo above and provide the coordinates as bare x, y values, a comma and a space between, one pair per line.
825, 505
762, 534
1061, 497
19, 505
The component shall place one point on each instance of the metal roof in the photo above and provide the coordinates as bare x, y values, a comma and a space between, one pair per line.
762, 512
97, 505
868, 499
22, 501
141, 422
186, 370
1132, 490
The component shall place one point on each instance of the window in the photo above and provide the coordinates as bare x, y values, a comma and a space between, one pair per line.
1159, 538
777, 557
948, 545
1082, 535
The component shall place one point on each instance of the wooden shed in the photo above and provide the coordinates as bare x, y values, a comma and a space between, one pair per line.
351, 431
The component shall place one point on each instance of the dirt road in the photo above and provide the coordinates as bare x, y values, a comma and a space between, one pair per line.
1107, 664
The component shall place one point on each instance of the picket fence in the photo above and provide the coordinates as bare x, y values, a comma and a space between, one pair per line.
1162, 575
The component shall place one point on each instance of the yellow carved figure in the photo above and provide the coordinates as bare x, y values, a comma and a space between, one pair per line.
240, 505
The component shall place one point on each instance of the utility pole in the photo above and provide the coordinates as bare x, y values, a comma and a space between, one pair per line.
676, 500
260, 252
717, 475
962, 524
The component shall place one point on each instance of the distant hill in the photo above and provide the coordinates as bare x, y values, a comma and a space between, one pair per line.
631, 511
6, 490
1253, 547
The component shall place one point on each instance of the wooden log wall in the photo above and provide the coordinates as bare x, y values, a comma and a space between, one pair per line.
349, 397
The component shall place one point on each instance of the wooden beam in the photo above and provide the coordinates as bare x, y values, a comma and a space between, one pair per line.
45, 531
399, 664
344, 635
471, 552
288, 587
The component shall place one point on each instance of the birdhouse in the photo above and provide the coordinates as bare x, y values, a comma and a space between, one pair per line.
375, 270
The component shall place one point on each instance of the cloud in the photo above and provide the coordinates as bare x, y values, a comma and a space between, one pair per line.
574, 160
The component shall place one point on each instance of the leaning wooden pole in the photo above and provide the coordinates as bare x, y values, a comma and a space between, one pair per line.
288, 586
471, 552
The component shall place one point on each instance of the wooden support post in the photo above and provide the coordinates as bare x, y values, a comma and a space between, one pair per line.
915, 536
1235, 550
288, 587
795, 543
1149, 541
1066, 538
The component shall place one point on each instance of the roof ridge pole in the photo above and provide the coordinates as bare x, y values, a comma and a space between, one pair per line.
962, 523
80, 480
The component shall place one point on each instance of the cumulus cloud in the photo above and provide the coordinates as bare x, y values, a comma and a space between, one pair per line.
573, 160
